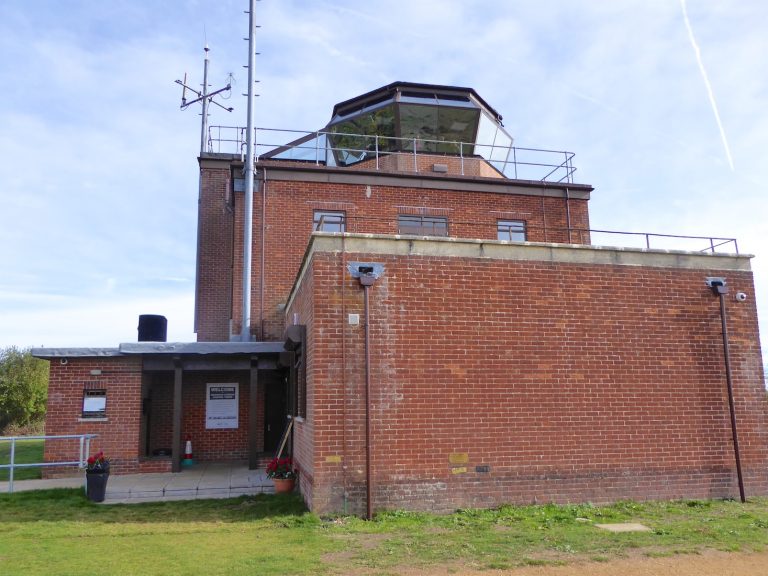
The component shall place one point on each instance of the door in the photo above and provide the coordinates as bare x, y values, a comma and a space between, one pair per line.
275, 411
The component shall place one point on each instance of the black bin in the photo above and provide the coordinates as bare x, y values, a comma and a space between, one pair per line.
153, 328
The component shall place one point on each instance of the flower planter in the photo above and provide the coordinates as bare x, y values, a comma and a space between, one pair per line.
284, 485
96, 485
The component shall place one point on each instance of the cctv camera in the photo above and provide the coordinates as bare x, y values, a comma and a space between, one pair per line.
741, 297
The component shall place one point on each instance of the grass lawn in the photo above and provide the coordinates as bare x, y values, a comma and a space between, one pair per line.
27, 452
59, 532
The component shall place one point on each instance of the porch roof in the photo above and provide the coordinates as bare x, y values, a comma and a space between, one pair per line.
169, 348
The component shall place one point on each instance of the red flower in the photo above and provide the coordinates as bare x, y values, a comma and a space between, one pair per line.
281, 468
98, 462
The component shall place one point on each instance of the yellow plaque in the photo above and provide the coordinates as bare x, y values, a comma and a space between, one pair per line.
458, 458
335, 459
459, 470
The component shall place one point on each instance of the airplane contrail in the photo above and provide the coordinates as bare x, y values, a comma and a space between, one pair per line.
711, 94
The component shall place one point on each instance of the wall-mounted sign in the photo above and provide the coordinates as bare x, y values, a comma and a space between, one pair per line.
221, 403
94, 403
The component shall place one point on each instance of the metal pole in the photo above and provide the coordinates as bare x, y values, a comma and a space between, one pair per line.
368, 475
722, 291
204, 129
245, 332
10, 470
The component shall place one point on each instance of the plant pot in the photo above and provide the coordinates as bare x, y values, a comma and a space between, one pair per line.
284, 485
96, 485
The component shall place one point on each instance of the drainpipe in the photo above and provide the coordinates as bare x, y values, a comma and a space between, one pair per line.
367, 279
568, 213
720, 289
263, 243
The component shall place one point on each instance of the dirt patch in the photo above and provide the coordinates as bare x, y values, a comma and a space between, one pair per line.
354, 545
704, 564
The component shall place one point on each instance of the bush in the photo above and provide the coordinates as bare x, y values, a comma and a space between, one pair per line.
23, 388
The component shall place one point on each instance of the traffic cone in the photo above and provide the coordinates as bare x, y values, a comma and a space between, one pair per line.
188, 460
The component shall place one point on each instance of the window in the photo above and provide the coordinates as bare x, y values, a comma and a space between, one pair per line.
329, 221
422, 225
95, 403
513, 230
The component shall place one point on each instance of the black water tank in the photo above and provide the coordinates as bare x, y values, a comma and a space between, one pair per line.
153, 328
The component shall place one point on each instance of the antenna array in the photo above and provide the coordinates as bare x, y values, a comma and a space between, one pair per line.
203, 97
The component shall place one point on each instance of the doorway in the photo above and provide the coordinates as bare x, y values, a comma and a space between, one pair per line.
275, 409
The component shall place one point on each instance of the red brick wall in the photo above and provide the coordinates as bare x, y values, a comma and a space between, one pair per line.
571, 382
303, 432
290, 206
226, 444
118, 434
214, 256
161, 412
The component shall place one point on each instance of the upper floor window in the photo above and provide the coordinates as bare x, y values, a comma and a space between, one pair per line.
511, 230
329, 221
413, 225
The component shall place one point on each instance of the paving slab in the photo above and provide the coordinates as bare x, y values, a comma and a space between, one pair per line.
624, 527
24, 485
200, 481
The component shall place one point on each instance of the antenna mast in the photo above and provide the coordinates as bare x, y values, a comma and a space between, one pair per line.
203, 96
245, 333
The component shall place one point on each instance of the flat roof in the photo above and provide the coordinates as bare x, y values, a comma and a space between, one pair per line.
430, 246
165, 348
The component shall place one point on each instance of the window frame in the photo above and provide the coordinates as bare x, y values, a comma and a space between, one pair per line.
94, 414
422, 220
510, 227
318, 219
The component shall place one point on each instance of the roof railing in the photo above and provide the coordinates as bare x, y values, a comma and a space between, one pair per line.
547, 234
346, 150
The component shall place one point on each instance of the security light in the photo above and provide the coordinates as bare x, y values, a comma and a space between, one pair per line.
717, 284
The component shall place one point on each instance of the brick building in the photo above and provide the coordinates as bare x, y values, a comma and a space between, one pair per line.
431, 310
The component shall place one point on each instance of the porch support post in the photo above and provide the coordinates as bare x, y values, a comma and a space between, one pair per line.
253, 395
176, 446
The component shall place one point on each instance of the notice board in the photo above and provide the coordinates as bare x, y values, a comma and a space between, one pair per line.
221, 405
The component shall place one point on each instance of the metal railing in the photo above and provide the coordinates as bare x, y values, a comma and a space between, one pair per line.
488, 230
346, 150
712, 244
85, 449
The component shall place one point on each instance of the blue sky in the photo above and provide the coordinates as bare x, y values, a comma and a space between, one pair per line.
98, 167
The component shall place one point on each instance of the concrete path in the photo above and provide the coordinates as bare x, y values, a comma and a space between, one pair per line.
203, 480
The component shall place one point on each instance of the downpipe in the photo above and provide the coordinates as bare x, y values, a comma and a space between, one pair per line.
367, 279
720, 289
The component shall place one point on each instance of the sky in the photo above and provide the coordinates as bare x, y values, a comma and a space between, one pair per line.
662, 101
